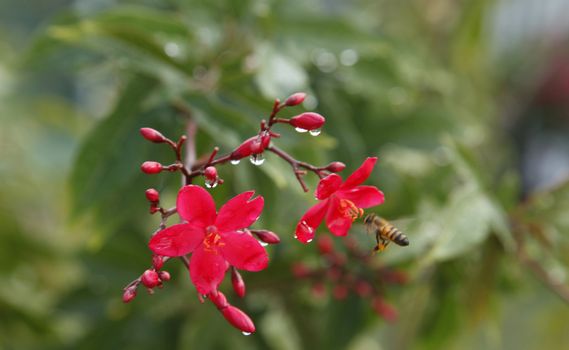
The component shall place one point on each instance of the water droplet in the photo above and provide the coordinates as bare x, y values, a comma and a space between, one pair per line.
235, 161
295, 237
263, 244
308, 241
204, 296
211, 184
257, 159
246, 333
300, 130
315, 132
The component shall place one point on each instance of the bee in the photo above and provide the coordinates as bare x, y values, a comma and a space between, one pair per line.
385, 232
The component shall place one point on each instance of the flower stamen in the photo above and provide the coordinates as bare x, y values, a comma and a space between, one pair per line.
350, 210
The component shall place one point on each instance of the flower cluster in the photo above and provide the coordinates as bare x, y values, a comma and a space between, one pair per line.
209, 241
359, 277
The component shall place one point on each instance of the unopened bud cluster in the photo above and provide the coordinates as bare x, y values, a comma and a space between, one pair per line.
359, 277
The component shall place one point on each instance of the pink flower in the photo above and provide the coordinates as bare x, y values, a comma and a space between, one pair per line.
215, 239
341, 202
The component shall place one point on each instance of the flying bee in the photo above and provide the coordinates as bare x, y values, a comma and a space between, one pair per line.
385, 232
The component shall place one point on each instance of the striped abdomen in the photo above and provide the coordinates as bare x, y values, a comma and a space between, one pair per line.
392, 233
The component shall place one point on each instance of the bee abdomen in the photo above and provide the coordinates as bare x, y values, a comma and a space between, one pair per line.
393, 234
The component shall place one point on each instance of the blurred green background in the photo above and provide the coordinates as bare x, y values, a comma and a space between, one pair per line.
465, 102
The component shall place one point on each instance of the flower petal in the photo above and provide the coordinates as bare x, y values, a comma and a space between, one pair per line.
207, 269
327, 186
243, 251
176, 240
361, 174
310, 221
337, 223
196, 206
239, 212
363, 196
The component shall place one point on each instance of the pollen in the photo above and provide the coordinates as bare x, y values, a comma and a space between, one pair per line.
350, 210
212, 239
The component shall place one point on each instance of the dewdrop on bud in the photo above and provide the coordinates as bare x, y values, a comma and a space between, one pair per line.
150, 279
129, 294
308, 121
238, 283
211, 178
315, 132
257, 159
152, 135
295, 99
151, 167
152, 195
238, 319
336, 167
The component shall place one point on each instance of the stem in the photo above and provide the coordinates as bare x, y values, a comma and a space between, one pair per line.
296, 165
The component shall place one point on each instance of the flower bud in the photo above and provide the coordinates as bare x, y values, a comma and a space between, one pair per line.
253, 145
238, 283
299, 270
150, 279
219, 300
210, 173
318, 290
129, 294
268, 237
336, 167
164, 276
385, 310
295, 99
308, 121
151, 167
325, 245
157, 262
152, 195
340, 292
238, 319
152, 135
363, 288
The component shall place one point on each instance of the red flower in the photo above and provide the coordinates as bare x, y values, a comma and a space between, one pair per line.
214, 238
341, 202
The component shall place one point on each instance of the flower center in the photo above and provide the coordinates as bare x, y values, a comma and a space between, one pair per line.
349, 210
212, 239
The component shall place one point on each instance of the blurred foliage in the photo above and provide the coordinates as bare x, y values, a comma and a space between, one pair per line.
409, 82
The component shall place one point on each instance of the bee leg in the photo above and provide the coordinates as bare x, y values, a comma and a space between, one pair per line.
381, 246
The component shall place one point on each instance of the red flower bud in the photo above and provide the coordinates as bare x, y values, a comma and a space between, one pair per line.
150, 279
210, 173
336, 167
385, 310
299, 270
295, 99
164, 276
218, 299
267, 236
238, 319
363, 288
152, 195
238, 283
151, 167
152, 135
340, 292
253, 145
157, 262
325, 245
129, 294
154, 209
318, 290
308, 121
